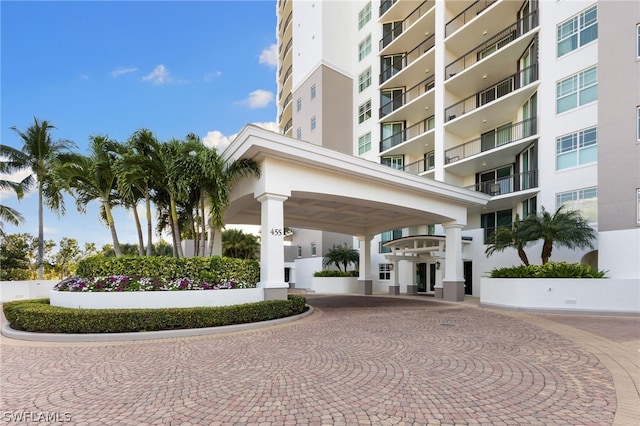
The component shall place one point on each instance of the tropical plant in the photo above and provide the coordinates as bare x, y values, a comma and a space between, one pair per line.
564, 228
40, 154
548, 270
513, 237
9, 214
68, 254
93, 177
341, 256
14, 257
235, 243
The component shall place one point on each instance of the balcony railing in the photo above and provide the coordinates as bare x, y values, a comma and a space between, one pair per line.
287, 74
386, 5
490, 94
417, 13
287, 126
508, 184
407, 59
285, 23
466, 15
495, 43
284, 105
286, 49
421, 166
408, 96
502, 136
408, 133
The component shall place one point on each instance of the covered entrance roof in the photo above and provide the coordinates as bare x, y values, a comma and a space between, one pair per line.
331, 191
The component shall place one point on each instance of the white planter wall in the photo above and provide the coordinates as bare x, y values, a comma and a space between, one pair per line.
155, 299
550, 294
19, 290
335, 285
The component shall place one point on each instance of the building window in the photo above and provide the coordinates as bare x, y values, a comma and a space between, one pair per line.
364, 48
578, 31
492, 221
388, 236
299, 133
638, 41
364, 111
576, 90
577, 149
393, 161
299, 105
638, 205
431, 229
313, 123
638, 123
314, 249
529, 206
313, 91
299, 251
364, 80
364, 143
583, 200
364, 16
385, 271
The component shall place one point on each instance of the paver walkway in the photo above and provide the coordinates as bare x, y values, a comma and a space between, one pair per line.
356, 360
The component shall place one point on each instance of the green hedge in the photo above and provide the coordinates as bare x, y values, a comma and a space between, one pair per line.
39, 316
209, 269
331, 273
548, 270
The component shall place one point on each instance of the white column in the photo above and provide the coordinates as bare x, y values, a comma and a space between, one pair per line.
365, 281
395, 288
272, 246
453, 282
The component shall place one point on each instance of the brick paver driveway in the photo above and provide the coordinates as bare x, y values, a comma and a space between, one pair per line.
356, 360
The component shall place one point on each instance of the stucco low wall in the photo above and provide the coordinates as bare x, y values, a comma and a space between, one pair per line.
335, 285
18, 290
155, 299
542, 294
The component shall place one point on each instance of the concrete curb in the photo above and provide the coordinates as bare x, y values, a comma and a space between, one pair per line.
146, 335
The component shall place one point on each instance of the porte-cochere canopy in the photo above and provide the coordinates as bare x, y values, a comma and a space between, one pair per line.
303, 185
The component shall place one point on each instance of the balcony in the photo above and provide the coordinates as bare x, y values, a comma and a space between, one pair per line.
495, 43
421, 166
285, 49
490, 94
407, 97
285, 24
410, 132
466, 15
386, 5
285, 110
508, 184
408, 59
502, 136
413, 17
287, 127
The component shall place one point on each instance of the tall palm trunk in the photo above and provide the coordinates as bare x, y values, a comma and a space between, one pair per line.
523, 256
136, 217
147, 201
40, 258
547, 247
203, 228
176, 228
112, 228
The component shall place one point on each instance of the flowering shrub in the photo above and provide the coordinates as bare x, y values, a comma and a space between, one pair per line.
127, 283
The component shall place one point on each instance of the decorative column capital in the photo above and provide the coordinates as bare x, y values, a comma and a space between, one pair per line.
271, 197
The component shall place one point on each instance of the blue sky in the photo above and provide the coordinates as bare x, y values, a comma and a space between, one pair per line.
113, 67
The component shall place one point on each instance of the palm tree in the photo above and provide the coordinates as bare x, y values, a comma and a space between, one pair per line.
341, 255
9, 214
93, 177
513, 237
40, 154
138, 171
563, 228
219, 179
235, 243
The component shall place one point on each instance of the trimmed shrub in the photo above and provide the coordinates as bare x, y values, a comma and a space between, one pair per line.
328, 273
39, 316
549, 270
210, 269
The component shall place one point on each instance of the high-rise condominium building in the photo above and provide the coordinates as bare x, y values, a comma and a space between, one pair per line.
536, 103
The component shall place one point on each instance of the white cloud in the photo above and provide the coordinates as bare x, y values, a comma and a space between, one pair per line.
160, 75
269, 56
258, 99
122, 70
210, 76
215, 138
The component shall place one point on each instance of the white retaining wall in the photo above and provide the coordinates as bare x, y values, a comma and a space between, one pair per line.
18, 290
155, 299
555, 294
335, 285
